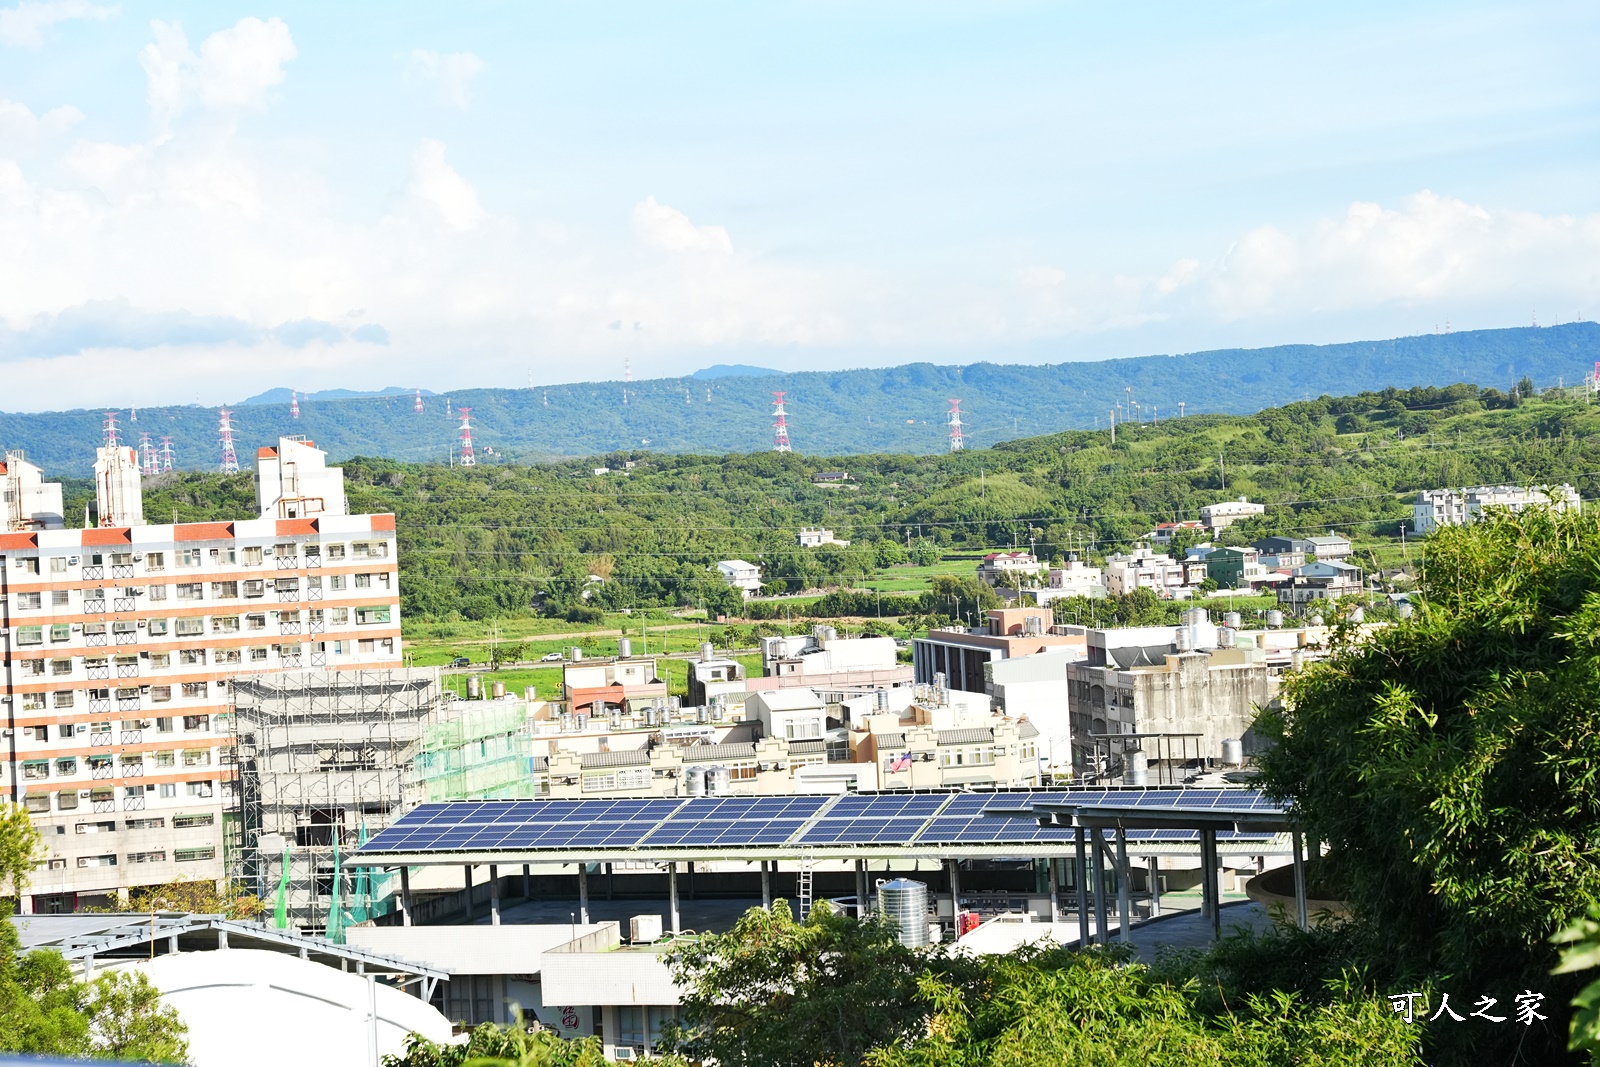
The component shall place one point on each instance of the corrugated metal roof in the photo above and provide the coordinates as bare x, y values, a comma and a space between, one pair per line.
889, 740
708, 753
637, 757
972, 735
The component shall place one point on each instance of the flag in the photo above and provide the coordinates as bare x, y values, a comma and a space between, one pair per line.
901, 762
280, 915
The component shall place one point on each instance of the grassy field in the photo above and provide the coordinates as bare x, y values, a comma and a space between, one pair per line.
546, 680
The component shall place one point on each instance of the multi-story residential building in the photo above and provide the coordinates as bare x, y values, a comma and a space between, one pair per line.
1004, 568
119, 645
31, 503
591, 687
1222, 515
1074, 578
1143, 569
1456, 507
958, 657
746, 577
820, 660
1166, 531
1283, 553
1320, 581
1330, 546
817, 536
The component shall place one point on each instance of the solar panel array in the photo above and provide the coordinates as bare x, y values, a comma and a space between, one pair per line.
891, 819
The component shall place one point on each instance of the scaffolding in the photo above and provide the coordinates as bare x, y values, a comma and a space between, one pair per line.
327, 759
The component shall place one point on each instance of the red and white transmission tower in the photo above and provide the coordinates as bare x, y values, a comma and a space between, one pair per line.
294, 404
627, 369
955, 426
166, 453
230, 458
133, 414
111, 428
468, 459
148, 464
780, 429
416, 405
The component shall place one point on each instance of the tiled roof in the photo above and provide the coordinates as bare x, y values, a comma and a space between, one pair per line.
541, 763
709, 753
889, 740
636, 757
972, 735
1026, 729
802, 748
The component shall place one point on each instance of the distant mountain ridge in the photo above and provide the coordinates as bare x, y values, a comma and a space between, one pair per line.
733, 370
895, 409
283, 396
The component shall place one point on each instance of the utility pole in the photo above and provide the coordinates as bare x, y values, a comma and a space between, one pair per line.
1113, 416
1223, 467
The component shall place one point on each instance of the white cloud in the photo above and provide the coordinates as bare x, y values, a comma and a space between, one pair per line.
24, 26
437, 183
19, 123
235, 69
451, 73
668, 228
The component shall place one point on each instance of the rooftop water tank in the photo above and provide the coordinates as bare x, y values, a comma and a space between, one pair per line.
706, 651
1358, 614
1231, 620
474, 687
1134, 769
694, 780
577, 654
1184, 639
1225, 638
719, 781
1232, 751
1194, 615
905, 904
1274, 618
651, 716
624, 647
497, 690
1404, 609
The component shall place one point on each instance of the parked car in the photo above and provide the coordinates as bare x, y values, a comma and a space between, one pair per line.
461, 661
551, 657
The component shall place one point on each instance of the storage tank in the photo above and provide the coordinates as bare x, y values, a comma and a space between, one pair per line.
1275, 618
1231, 620
706, 651
1194, 615
624, 647
719, 781
1232, 751
1184, 639
1358, 614
1316, 620
581, 721
905, 904
474, 687
1404, 609
1134, 769
577, 654
717, 709
652, 717
883, 702
694, 780
616, 718
497, 690
1225, 638
566, 721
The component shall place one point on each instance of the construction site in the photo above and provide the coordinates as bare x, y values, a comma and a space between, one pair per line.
327, 759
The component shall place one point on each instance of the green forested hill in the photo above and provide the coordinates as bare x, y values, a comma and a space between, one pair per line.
898, 409
483, 542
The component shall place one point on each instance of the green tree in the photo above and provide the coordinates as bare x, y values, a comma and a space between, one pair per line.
21, 849
127, 1021
773, 992
489, 1045
925, 553
1449, 763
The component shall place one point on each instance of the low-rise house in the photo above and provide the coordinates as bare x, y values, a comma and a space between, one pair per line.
1224, 514
594, 686
830, 477
1075, 578
1322, 580
1143, 569
958, 656
817, 536
1006, 568
743, 576
1457, 507
1330, 547
1166, 531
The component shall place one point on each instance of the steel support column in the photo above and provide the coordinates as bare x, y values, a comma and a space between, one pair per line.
583, 893
1124, 904
494, 895
1301, 919
672, 895
1080, 884
405, 896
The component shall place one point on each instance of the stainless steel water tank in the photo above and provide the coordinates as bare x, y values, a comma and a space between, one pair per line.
1232, 751
651, 716
719, 781
1358, 614
694, 780
624, 647
1226, 638
905, 904
1134, 769
1274, 618
706, 651
474, 687
497, 690
577, 654
1231, 620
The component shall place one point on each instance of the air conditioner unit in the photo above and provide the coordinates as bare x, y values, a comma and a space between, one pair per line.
628, 1052
72, 561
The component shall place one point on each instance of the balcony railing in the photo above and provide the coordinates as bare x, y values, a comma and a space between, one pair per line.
98, 673
99, 705
124, 603
94, 607
122, 570
289, 627
127, 704
127, 637
287, 563
132, 737
95, 640
127, 670
93, 573
99, 806
133, 803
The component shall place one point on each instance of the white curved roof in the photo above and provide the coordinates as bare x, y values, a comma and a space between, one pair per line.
246, 1008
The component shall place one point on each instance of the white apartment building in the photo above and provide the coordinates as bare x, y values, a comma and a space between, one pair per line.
1144, 569
817, 536
1457, 507
743, 576
1220, 516
1076, 578
1004, 568
31, 503
119, 644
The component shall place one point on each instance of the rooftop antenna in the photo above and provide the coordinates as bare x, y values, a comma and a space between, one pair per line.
416, 405
294, 404
230, 458
166, 453
468, 457
955, 426
780, 429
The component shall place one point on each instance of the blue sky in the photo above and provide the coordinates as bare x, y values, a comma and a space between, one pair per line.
231, 197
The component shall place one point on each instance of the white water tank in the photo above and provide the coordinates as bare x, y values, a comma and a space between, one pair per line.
1404, 609
1275, 618
1134, 769
719, 781
905, 903
577, 654
624, 647
706, 651
694, 780
644, 929
1231, 620
1232, 751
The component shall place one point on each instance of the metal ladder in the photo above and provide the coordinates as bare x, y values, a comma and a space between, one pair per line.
803, 883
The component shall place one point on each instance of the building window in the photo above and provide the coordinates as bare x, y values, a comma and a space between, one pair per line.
334, 551
165, 758
58, 564
191, 656
336, 582
189, 557
197, 757
193, 690
29, 601
258, 655
156, 627
192, 855
32, 668
225, 624
192, 723
59, 633
169, 790
200, 789
160, 661
28, 565
191, 591
225, 590
60, 598
31, 635
363, 581
370, 549
158, 856
67, 765
250, 557
802, 729
155, 561
147, 824
743, 771
339, 616
368, 616
35, 769
255, 622
158, 592
97, 861
64, 699
188, 822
